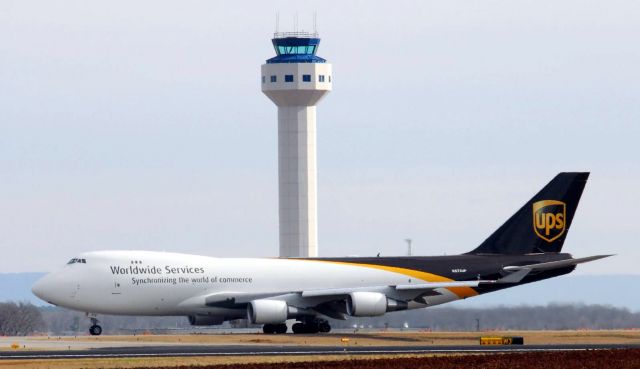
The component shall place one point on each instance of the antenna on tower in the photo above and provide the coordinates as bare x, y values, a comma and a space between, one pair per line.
315, 22
408, 241
277, 22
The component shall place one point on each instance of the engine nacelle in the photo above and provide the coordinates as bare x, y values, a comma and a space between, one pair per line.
372, 304
267, 311
205, 320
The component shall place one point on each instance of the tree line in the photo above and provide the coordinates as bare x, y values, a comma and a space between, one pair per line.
20, 319
17, 318
545, 317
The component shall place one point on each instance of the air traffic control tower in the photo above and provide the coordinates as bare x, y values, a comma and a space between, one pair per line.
296, 79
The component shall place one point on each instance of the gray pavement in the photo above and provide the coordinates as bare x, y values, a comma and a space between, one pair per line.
275, 350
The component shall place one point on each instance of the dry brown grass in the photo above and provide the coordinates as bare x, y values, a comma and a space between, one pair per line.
600, 359
183, 361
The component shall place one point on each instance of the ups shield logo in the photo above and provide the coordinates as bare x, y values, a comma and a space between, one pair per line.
549, 219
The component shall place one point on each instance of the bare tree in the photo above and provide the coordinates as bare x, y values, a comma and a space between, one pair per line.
552, 316
19, 319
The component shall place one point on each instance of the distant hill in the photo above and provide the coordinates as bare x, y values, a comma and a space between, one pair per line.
614, 290
17, 287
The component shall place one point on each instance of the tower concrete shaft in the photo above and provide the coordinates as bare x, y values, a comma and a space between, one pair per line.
297, 177
296, 80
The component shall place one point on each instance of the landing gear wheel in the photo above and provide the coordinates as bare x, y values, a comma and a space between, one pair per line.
324, 327
311, 327
274, 328
298, 328
281, 328
268, 329
95, 330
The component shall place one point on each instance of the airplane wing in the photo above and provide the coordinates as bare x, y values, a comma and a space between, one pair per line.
322, 300
228, 299
401, 287
310, 298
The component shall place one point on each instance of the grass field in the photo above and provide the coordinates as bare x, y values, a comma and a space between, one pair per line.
362, 339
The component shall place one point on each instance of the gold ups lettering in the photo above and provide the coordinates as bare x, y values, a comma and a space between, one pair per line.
549, 219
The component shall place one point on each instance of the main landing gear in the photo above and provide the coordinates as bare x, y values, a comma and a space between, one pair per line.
312, 326
309, 326
275, 328
95, 329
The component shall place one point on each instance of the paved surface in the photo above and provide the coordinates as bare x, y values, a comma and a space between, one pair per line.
259, 350
66, 343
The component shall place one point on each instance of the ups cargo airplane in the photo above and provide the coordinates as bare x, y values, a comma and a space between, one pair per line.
270, 291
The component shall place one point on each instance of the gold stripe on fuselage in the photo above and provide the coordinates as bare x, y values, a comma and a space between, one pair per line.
462, 292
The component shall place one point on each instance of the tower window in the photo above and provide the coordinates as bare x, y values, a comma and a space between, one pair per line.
329, 78
274, 79
301, 50
306, 78
321, 78
288, 77
263, 79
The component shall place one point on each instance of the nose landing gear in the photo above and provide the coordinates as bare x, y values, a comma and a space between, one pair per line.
95, 329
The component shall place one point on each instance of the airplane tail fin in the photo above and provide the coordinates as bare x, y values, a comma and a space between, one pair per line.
542, 224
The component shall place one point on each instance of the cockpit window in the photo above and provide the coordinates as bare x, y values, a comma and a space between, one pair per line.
77, 260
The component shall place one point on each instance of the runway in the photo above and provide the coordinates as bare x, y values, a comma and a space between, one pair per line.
273, 350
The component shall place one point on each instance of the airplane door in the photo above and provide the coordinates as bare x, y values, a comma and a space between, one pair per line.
74, 291
116, 289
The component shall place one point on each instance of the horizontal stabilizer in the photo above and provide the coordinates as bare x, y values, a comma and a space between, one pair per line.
554, 264
516, 276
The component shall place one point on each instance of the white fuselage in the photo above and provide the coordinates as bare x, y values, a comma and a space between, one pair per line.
159, 283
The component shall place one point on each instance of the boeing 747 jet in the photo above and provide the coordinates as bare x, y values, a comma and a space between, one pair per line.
270, 291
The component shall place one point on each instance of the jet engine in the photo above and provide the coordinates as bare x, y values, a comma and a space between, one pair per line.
271, 312
372, 304
205, 320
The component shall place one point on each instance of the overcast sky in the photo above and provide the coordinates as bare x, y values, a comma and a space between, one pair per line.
141, 125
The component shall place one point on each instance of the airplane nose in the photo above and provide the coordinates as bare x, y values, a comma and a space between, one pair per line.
42, 288
38, 288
